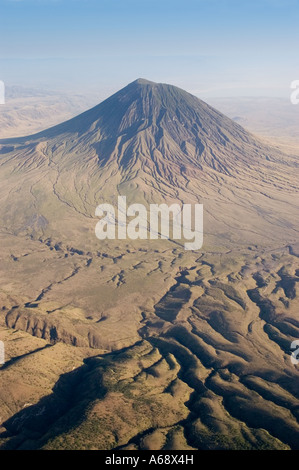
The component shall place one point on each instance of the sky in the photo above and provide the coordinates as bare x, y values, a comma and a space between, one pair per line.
216, 48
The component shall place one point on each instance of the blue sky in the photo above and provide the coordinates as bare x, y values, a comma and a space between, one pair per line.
209, 47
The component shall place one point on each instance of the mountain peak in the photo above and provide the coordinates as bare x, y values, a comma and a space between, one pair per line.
156, 142
158, 111
143, 81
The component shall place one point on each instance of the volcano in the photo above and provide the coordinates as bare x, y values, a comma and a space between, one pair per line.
154, 142
140, 344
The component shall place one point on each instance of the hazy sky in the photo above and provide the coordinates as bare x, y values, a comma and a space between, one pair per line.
209, 47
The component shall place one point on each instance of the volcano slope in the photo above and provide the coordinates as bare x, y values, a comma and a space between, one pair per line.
139, 344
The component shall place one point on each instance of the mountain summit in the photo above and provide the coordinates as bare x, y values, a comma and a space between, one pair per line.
157, 108
154, 142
